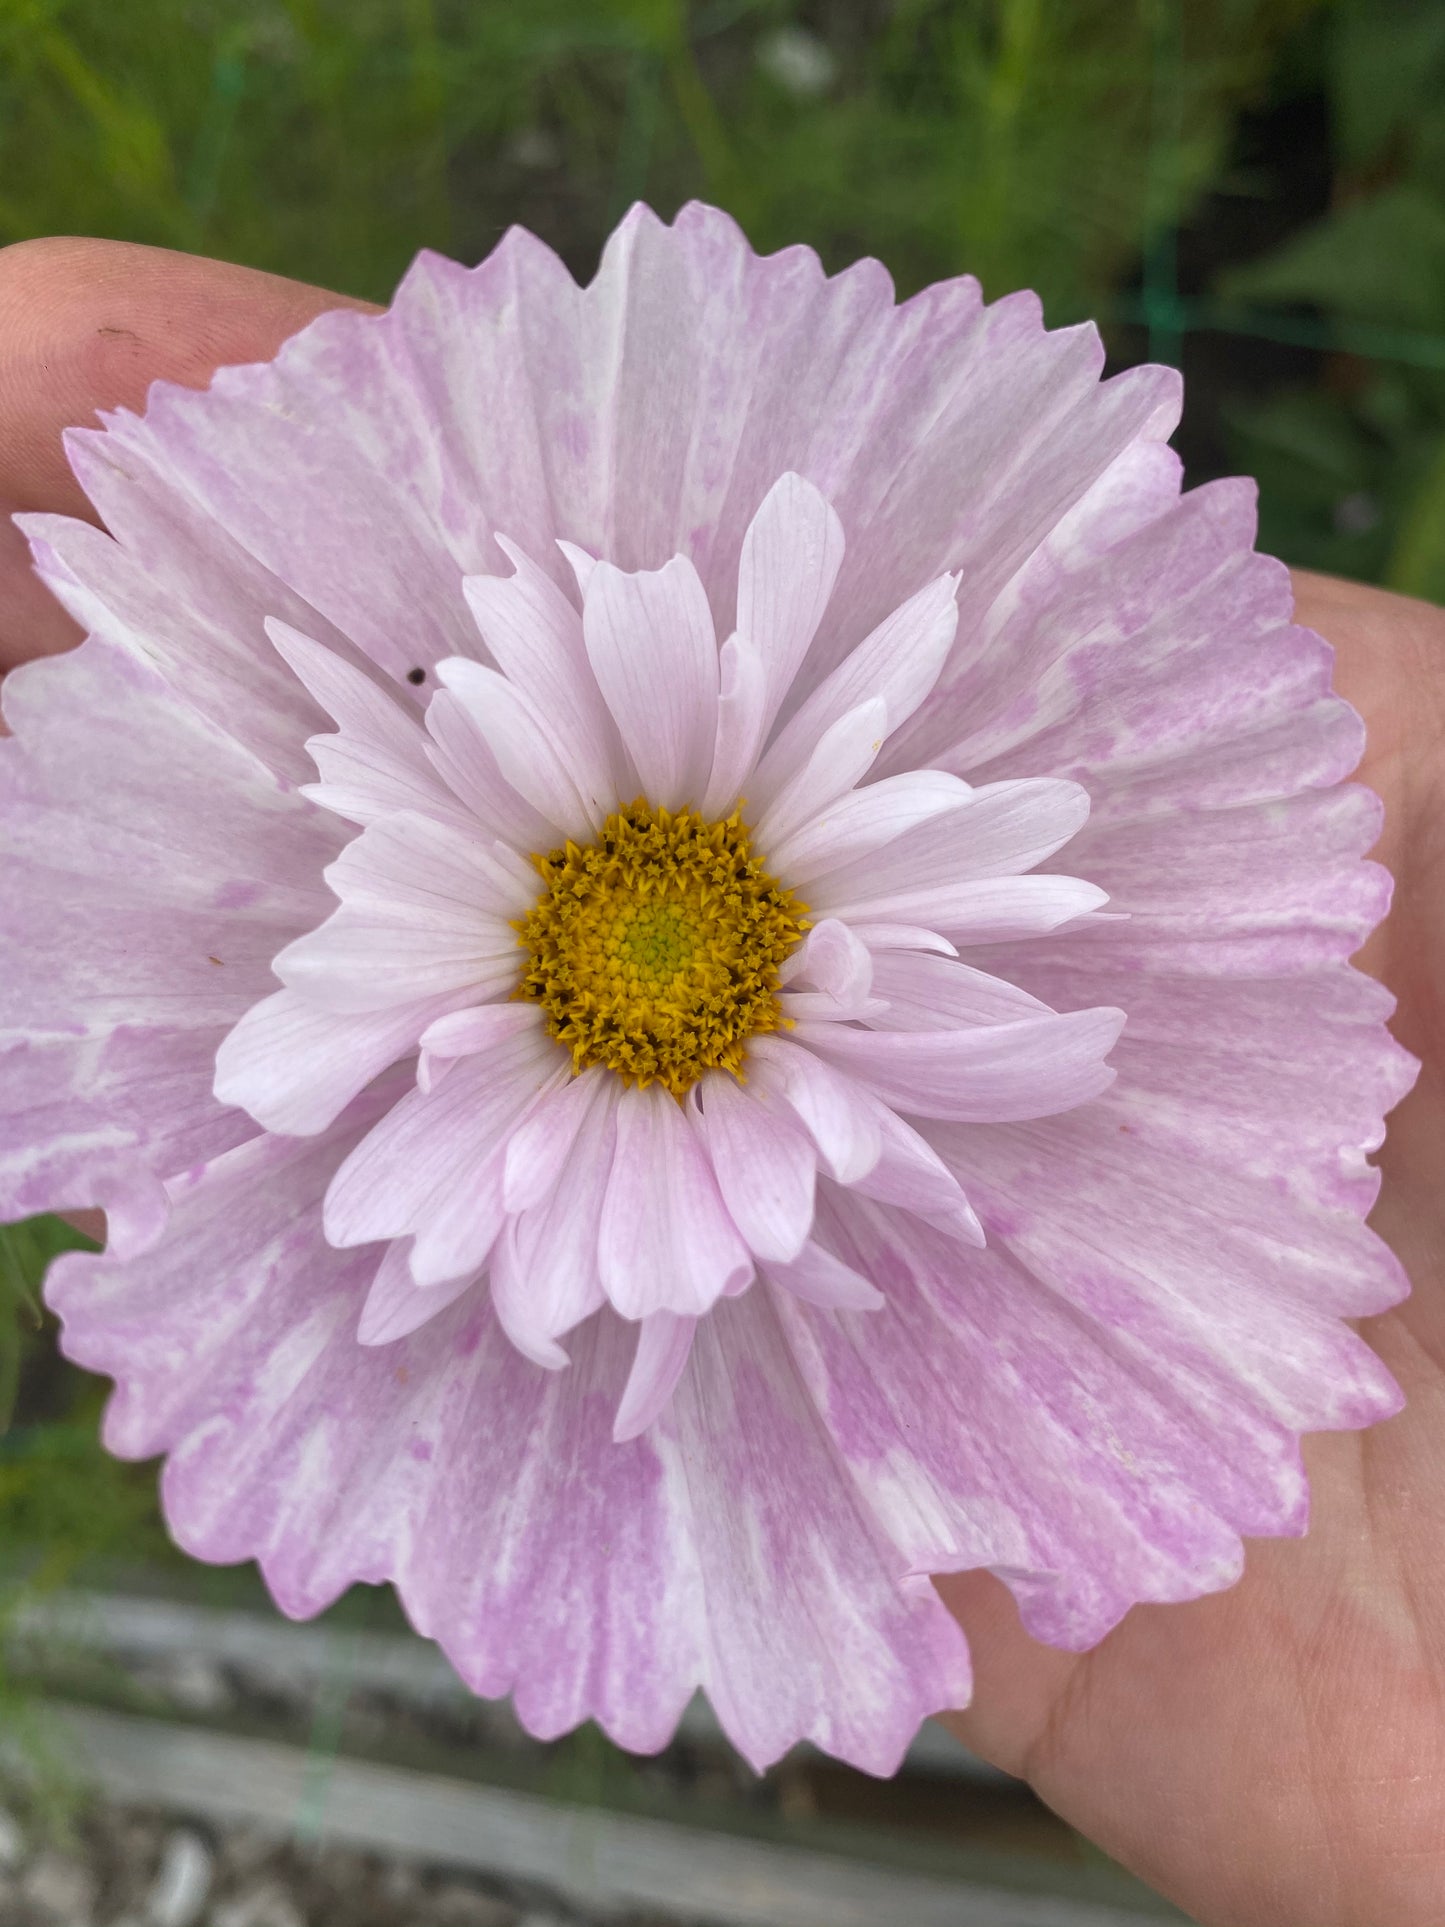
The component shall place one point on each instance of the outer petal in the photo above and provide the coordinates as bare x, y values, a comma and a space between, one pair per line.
729, 1517
140, 920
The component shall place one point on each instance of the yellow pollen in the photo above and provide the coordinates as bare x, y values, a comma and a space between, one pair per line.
655, 949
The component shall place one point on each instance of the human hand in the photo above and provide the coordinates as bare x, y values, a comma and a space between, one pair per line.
1270, 1757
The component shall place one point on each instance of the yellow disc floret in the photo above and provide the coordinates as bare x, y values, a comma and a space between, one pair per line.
655, 949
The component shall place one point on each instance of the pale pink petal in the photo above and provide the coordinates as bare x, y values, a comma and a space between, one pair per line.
764, 1166
397, 1305
540, 1147
990, 910
742, 696
840, 1118
376, 762
860, 823
651, 644
898, 663
553, 1244
831, 958
1018, 1070
911, 1174
432, 1168
925, 992
519, 736
523, 1313
461, 755
842, 756
790, 559
424, 910
994, 834
296, 1065
463, 1033
901, 936
535, 637
664, 1341
666, 1242
818, 1277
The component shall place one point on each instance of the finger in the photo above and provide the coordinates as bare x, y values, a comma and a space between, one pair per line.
91, 324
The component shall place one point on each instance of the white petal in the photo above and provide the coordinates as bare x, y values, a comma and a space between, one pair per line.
541, 1146
462, 757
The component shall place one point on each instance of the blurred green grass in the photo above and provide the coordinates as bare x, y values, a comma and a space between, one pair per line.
1128, 158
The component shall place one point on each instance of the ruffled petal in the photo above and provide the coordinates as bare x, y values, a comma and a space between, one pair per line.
530, 760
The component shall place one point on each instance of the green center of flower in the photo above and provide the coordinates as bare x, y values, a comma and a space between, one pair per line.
655, 949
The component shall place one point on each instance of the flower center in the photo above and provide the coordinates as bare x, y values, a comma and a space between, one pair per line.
655, 949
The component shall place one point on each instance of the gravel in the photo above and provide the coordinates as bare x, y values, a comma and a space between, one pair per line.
130, 1867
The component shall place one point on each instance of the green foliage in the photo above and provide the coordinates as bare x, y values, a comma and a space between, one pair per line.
1353, 471
329, 138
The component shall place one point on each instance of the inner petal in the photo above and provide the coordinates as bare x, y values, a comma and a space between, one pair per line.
655, 949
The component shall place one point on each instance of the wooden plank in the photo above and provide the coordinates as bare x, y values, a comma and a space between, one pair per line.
591, 1857
400, 1663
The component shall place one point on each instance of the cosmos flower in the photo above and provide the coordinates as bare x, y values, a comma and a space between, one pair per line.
803, 1037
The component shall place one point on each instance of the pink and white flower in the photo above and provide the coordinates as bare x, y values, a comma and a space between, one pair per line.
814, 1043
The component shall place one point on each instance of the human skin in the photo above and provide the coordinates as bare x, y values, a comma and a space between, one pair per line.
1272, 1756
